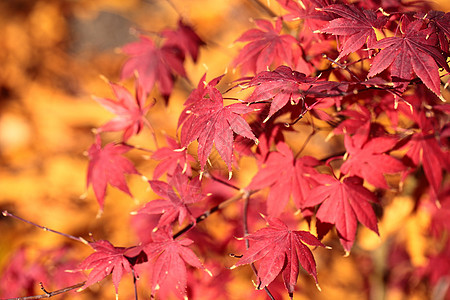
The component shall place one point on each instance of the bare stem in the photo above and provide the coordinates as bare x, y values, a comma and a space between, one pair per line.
209, 175
206, 214
135, 284
79, 239
49, 294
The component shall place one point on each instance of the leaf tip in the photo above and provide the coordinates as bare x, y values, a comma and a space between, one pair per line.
347, 253
5, 213
233, 267
230, 174
318, 287
209, 272
103, 77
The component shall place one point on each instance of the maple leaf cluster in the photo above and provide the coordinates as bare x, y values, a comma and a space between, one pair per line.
376, 89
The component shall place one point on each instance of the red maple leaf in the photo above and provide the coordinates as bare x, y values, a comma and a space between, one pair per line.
153, 65
130, 111
343, 204
170, 158
368, 159
185, 38
356, 25
282, 85
424, 148
440, 22
356, 118
266, 47
285, 176
169, 265
414, 51
105, 260
107, 165
209, 122
279, 249
175, 198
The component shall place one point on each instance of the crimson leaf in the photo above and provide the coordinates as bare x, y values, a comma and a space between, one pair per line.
185, 38
209, 122
285, 176
415, 50
369, 160
356, 25
343, 204
279, 249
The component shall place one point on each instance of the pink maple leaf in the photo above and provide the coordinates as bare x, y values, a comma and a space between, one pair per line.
107, 165
170, 157
153, 64
176, 196
266, 47
130, 111
106, 260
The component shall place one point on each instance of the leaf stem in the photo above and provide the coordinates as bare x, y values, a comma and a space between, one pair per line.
79, 239
206, 214
209, 175
49, 294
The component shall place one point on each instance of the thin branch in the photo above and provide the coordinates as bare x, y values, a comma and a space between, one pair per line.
209, 175
206, 214
247, 242
264, 8
49, 294
79, 239
135, 284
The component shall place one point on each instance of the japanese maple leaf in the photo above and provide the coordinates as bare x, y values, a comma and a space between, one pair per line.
280, 250
266, 46
440, 22
153, 64
107, 165
185, 38
424, 148
105, 260
356, 25
343, 204
356, 118
281, 86
369, 160
414, 51
285, 176
170, 158
209, 122
169, 266
130, 111
175, 198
